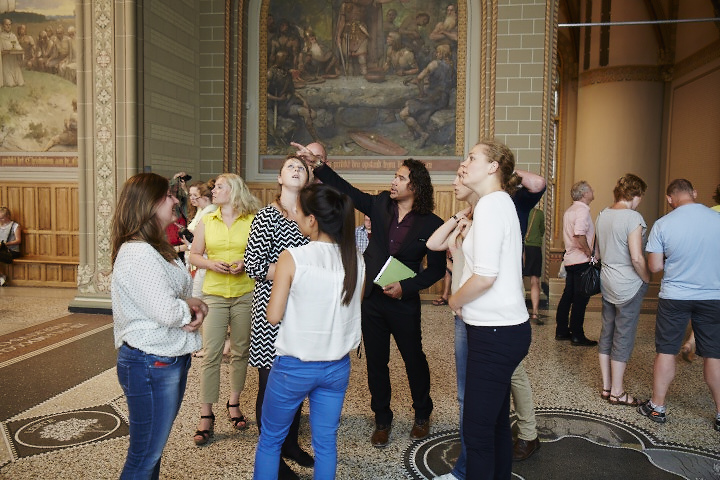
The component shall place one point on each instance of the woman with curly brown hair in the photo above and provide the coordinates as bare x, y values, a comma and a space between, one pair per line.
620, 231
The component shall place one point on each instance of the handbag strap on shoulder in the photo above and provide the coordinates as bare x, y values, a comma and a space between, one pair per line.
7, 239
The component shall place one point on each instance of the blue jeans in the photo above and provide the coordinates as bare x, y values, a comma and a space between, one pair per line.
461, 353
291, 380
154, 387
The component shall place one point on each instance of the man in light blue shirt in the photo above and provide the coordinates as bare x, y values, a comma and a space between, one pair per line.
683, 243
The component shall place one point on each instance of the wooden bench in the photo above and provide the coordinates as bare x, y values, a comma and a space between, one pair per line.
43, 271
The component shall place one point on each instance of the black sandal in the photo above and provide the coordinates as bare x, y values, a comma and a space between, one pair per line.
205, 434
605, 394
239, 423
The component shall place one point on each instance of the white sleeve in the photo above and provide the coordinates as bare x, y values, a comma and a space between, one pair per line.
487, 240
142, 280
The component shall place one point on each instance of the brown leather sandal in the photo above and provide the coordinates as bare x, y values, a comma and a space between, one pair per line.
615, 400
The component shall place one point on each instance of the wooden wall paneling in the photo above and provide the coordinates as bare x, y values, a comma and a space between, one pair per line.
29, 208
45, 203
49, 217
62, 213
46, 242
75, 210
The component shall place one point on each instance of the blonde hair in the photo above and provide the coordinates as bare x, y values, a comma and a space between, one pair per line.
241, 198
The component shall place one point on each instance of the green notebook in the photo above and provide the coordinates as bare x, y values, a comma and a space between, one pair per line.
393, 271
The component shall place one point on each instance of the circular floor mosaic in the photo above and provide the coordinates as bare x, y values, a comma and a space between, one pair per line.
31, 436
576, 444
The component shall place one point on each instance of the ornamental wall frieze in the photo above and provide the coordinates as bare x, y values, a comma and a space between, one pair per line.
700, 58
38, 161
625, 73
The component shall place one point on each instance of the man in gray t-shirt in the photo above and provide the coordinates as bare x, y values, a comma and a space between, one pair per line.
683, 243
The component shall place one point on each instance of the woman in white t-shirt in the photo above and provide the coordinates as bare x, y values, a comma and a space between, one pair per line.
316, 295
491, 302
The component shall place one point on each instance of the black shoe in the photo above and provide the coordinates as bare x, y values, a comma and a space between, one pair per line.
583, 342
286, 473
717, 424
563, 336
646, 410
299, 456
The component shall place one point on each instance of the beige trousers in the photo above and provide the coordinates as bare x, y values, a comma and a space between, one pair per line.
223, 312
524, 405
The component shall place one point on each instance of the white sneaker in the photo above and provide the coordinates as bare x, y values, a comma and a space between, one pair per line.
3, 278
447, 476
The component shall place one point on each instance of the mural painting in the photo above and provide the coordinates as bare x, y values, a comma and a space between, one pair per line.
370, 79
38, 76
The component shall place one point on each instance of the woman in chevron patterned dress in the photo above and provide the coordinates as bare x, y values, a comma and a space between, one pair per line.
273, 230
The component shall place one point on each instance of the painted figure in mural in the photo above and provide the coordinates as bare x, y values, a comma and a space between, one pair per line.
60, 51
359, 34
68, 67
69, 135
42, 53
316, 58
12, 57
27, 42
434, 84
287, 39
284, 101
398, 59
271, 30
51, 33
389, 23
446, 32
411, 31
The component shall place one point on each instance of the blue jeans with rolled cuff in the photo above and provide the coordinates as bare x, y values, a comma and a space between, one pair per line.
291, 380
154, 387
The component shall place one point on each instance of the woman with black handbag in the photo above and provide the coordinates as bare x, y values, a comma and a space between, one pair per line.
620, 231
11, 237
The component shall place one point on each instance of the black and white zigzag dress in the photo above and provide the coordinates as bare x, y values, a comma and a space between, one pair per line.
270, 234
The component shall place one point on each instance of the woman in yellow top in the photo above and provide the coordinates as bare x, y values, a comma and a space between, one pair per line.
227, 290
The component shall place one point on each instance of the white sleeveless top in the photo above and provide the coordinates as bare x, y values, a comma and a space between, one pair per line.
316, 326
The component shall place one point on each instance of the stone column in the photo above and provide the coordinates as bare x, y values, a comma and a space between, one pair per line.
619, 106
107, 137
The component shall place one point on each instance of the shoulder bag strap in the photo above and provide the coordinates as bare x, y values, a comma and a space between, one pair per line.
9, 232
530, 223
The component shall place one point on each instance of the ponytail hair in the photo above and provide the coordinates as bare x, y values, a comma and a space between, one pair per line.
334, 213
501, 153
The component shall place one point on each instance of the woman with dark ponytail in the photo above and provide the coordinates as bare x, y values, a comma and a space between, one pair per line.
316, 295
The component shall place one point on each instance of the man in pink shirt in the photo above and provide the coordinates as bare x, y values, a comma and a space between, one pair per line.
579, 235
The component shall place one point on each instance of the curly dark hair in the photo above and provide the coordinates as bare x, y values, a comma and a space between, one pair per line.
421, 186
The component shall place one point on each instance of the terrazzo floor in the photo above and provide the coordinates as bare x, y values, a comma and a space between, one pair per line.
565, 379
